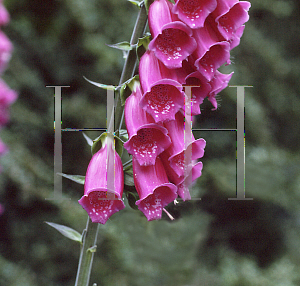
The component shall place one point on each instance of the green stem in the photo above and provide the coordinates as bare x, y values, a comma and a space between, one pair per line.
91, 232
87, 253
129, 66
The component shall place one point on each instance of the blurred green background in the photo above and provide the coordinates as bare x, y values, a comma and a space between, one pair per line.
213, 241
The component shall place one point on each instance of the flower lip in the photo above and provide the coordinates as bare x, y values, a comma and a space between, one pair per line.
163, 100
173, 45
149, 141
194, 13
154, 189
97, 199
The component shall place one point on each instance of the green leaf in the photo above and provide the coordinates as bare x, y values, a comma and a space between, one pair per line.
123, 46
104, 86
76, 178
66, 231
123, 135
88, 139
99, 141
142, 45
135, 2
172, 1
132, 196
127, 88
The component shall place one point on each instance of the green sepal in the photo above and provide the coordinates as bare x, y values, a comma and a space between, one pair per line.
101, 85
172, 1
135, 2
123, 46
142, 45
75, 178
66, 231
132, 197
127, 88
123, 134
92, 249
129, 187
147, 4
99, 141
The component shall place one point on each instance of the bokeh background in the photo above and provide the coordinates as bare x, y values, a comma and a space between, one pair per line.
212, 241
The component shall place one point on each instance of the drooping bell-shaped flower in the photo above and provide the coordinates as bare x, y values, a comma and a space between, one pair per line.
146, 138
218, 83
4, 15
154, 189
163, 95
172, 39
5, 51
189, 77
7, 97
230, 16
183, 182
177, 151
210, 53
194, 12
98, 200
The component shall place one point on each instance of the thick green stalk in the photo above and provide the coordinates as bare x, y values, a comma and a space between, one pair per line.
91, 232
87, 253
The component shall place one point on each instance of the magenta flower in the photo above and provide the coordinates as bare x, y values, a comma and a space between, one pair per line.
163, 95
230, 16
7, 97
176, 151
154, 189
190, 77
172, 40
218, 83
210, 53
5, 51
194, 12
182, 182
95, 199
4, 15
146, 138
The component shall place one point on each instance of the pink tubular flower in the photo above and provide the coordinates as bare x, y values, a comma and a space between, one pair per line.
95, 200
182, 183
194, 12
7, 97
176, 151
146, 138
5, 51
210, 53
4, 15
172, 40
163, 95
218, 83
230, 16
153, 187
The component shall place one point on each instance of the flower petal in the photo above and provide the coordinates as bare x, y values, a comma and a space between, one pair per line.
153, 187
194, 12
96, 200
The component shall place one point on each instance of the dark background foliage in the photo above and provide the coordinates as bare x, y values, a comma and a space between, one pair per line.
213, 241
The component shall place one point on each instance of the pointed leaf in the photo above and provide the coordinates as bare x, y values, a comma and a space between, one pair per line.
66, 231
127, 88
75, 178
123, 46
135, 2
88, 139
142, 45
104, 86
